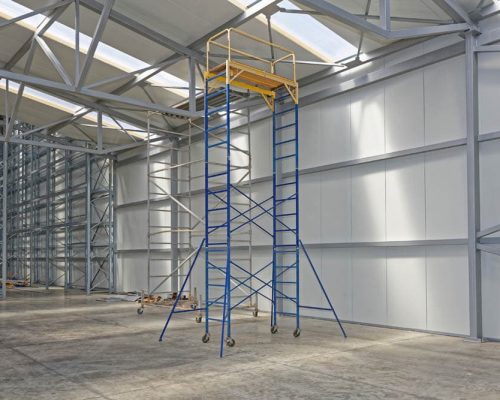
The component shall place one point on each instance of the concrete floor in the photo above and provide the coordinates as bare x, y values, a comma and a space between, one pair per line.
69, 346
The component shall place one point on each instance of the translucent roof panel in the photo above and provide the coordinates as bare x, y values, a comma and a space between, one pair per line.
310, 33
104, 53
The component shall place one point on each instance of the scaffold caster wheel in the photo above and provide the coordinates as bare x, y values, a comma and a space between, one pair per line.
140, 311
193, 306
274, 329
205, 338
296, 332
230, 342
255, 313
198, 319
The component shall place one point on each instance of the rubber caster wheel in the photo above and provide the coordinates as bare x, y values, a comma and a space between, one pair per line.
230, 342
193, 306
198, 319
255, 313
140, 311
274, 329
205, 338
296, 332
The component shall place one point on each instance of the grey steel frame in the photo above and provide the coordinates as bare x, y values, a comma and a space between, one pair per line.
59, 224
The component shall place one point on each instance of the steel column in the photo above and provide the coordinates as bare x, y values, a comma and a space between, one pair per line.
473, 227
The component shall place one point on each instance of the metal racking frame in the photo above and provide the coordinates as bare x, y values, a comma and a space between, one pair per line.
59, 217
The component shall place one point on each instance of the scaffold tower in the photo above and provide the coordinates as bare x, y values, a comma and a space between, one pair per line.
231, 283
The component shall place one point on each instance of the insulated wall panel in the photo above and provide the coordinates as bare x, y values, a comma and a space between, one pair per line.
367, 121
337, 280
131, 182
309, 136
132, 228
335, 129
336, 206
405, 191
310, 292
446, 194
368, 202
406, 287
491, 295
444, 88
310, 204
404, 112
489, 165
489, 92
447, 289
369, 285
261, 148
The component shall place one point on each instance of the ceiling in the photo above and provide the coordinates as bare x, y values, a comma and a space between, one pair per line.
123, 50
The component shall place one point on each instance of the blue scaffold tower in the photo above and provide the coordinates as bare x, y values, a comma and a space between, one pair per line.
230, 282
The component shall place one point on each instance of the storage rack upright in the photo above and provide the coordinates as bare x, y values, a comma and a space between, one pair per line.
225, 214
60, 217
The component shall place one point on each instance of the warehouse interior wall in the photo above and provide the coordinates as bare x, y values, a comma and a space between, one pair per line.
387, 232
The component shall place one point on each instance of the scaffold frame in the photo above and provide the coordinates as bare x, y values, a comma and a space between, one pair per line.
224, 215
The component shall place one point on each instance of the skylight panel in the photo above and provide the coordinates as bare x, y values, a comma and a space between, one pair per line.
104, 53
308, 32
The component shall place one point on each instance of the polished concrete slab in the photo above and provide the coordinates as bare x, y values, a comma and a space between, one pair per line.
57, 345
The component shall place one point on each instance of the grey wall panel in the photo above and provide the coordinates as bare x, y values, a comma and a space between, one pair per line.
404, 112
309, 136
369, 285
335, 129
491, 295
489, 92
405, 191
131, 228
131, 272
447, 289
261, 192
337, 279
335, 202
367, 121
444, 88
406, 288
490, 184
310, 204
368, 202
131, 182
261, 148
446, 200
310, 292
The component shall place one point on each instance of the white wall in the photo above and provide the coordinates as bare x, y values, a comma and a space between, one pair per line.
348, 213
489, 121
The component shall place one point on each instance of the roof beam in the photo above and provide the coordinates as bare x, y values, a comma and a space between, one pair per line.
455, 11
343, 16
361, 24
385, 14
62, 87
101, 25
143, 30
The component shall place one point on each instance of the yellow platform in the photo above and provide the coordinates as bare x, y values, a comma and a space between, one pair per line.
259, 80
